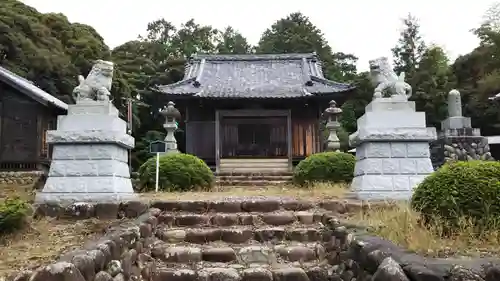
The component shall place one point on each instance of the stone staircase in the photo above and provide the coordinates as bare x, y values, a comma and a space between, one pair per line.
253, 172
242, 241
253, 179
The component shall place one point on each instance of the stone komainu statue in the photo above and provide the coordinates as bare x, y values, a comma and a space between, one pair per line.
97, 84
386, 79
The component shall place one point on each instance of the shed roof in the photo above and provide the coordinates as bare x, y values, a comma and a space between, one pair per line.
254, 76
28, 88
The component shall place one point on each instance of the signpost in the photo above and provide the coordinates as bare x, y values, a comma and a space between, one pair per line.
157, 147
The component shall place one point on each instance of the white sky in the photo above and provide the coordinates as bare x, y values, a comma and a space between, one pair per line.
366, 28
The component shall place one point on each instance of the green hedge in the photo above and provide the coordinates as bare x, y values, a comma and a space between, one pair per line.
461, 190
336, 167
177, 172
13, 215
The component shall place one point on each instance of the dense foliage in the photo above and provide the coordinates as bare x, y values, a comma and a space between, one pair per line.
177, 172
334, 167
51, 51
459, 190
13, 215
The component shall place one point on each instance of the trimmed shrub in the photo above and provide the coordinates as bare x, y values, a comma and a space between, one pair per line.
459, 190
334, 167
13, 215
177, 172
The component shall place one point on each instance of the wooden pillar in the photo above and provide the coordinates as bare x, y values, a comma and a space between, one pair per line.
289, 138
217, 141
186, 135
319, 130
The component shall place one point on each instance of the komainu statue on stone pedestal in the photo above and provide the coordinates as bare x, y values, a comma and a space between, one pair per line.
386, 79
97, 84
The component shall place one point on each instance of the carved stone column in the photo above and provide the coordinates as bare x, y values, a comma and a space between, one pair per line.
332, 114
171, 116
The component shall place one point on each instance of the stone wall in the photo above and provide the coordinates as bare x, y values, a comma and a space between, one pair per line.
460, 145
128, 252
20, 178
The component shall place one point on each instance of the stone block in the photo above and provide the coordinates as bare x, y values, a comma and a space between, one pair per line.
89, 152
373, 150
390, 104
84, 168
417, 150
87, 184
396, 187
93, 108
90, 137
391, 166
65, 198
91, 123
456, 122
399, 149
392, 119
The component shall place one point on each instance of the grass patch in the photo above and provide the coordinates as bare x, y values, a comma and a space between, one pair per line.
44, 240
40, 242
316, 191
23, 192
402, 226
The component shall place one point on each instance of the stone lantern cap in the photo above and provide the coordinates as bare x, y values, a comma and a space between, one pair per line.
332, 110
170, 112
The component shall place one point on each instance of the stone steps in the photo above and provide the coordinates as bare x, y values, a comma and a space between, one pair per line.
241, 218
258, 204
262, 177
251, 182
245, 239
254, 179
243, 254
242, 234
295, 271
262, 165
267, 173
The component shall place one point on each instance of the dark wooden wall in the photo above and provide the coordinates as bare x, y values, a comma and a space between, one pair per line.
23, 123
199, 118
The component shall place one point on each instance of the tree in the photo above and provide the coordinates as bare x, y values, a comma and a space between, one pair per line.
297, 34
46, 48
348, 118
432, 80
355, 106
409, 49
477, 74
193, 38
232, 42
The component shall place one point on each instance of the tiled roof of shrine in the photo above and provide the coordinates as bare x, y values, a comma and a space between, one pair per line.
254, 76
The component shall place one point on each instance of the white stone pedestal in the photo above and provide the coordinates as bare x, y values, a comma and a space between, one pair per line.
392, 150
90, 157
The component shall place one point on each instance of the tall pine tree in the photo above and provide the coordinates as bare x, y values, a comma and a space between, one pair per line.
409, 49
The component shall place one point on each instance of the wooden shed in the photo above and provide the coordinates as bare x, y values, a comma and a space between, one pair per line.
26, 113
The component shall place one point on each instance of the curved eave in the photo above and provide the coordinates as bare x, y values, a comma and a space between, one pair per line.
321, 87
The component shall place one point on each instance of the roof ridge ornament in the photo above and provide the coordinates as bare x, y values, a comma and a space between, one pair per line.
197, 82
305, 73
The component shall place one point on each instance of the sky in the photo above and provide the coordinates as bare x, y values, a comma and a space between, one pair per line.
365, 28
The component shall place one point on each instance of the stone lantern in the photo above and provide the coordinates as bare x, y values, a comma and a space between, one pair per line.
332, 114
172, 115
